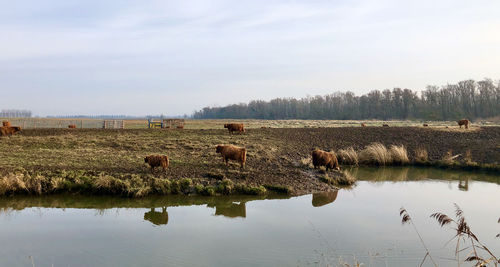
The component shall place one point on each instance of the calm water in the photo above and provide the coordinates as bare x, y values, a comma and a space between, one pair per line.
319, 229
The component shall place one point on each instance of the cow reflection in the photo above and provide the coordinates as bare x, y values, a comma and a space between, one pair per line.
156, 217
231, 210
463, 184
323, 198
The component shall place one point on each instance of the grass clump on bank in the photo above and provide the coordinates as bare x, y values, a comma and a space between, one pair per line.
339, 179
348, 156
399, 155
375, 154
421, 155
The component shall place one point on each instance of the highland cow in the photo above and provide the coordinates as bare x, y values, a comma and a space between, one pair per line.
157, 161
385, 125
230, 152
327, 159
426, 125
363, 125
6, 123
464, 122
72, 126
235, 127
8, 131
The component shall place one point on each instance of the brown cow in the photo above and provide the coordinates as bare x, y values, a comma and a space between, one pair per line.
327, 159
363, 125
235, 127
157, 161
426, 125
385, 125
6, 123
72, 126
230, 152
465, 122
180, 126
8, 131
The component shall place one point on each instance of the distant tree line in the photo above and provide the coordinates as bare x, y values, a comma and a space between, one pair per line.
15, 113
466, 99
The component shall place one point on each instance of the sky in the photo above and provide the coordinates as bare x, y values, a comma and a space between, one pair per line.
60, 57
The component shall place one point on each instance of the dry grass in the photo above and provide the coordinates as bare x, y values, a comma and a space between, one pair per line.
421, 155
348, 156
339, 179
307, 162
449, 158
375, 154
399, 155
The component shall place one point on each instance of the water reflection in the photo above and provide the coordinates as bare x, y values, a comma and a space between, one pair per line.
464, 184
231, 210
157, 218
396, 174
323, 198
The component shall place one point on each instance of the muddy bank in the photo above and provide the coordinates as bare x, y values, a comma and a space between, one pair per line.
275, 157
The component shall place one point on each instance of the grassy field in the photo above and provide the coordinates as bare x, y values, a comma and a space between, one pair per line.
112, 161
35, 123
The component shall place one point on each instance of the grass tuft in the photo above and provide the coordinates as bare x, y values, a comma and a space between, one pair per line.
421, 155
449, 159
399, 155
375, 154
348, 156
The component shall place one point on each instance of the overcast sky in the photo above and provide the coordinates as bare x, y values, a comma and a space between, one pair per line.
61, 57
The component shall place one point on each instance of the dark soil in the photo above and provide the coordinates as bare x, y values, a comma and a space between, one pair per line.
274, 155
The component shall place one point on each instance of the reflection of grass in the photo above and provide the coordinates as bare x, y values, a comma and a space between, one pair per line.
417, 174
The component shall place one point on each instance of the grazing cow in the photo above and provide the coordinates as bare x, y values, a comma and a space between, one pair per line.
230, 152
8, 131
6, 123
363, 125
72, 126
180, 126
425, 124
464, 122
157, 161
327, 159
385, 125
235, 127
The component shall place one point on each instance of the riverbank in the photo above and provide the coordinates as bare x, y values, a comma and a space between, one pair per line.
95, 161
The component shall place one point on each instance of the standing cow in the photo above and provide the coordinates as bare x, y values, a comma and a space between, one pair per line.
230, 152
464, 122
235, 127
